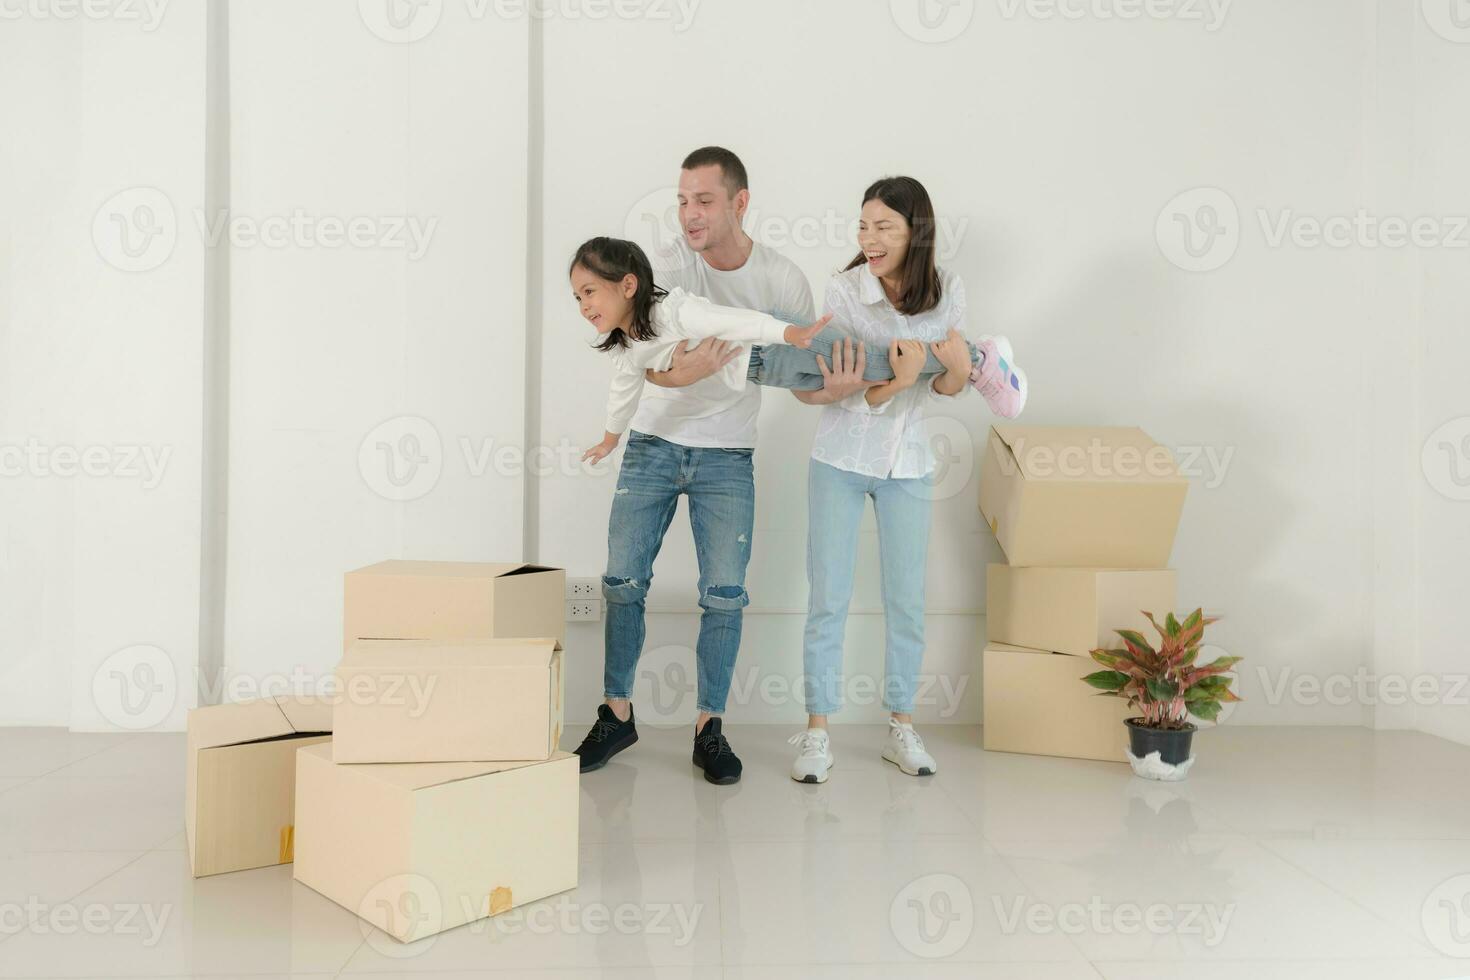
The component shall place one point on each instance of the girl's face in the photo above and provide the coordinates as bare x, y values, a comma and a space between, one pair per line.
605, 305
883, 235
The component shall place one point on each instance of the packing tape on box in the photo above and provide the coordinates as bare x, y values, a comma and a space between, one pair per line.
500, 901
288, 844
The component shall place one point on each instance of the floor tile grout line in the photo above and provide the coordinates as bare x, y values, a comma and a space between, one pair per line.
1071, 940
78, 894
123, 739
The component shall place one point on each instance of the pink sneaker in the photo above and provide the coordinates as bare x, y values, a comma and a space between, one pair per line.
999, 379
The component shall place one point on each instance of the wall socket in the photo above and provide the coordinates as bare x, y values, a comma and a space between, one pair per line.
584, 610
584, 588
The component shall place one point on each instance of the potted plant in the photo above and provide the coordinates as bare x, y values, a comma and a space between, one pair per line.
1166, 686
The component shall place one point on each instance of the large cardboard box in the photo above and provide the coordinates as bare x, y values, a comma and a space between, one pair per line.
417, 849
448, 701
240, 780
1088, 497
1035, 702
1073, 610
441, 600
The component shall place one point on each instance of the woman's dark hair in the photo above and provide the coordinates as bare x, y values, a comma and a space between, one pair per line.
919, 288
611, 259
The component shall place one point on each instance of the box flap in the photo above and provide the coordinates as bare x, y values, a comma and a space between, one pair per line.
1088, 454
521, 652
422, 775
306, 713
447, 569
236, 723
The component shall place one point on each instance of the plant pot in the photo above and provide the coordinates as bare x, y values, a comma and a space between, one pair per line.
1160, 753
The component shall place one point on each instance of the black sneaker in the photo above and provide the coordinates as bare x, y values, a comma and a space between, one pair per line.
713, 754
607, 738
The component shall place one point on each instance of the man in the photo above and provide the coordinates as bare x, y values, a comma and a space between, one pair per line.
694, 436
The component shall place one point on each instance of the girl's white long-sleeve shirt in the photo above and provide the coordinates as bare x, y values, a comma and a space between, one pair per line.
682, 317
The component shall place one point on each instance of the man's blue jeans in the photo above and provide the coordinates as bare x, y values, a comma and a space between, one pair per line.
720, 485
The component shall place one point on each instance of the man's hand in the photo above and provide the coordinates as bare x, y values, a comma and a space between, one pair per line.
603, 449
954, 354
690, 366
843, 378
907, 358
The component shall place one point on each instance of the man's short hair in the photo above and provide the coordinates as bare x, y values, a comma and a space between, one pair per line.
730, 166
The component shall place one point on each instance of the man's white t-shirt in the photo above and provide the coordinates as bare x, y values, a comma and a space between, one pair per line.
707, 414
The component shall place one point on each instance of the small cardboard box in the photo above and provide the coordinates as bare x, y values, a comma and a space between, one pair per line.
417, 849
1073, 610
449, 701
442, 600
1035, 702
1087, 497
240, 780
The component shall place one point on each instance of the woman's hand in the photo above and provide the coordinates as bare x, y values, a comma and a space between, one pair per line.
954, 353
906, 357
601, 451
802, 336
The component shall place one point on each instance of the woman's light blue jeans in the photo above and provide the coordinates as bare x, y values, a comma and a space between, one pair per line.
835, 500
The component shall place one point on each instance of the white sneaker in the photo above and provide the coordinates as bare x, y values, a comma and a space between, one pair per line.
905, 749
813, 756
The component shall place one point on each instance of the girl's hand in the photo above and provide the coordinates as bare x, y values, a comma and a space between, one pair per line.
802, 336
954, 354
906, 357
601, 451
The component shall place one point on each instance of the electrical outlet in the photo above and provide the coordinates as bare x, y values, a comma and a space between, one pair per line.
584, 610
584, 588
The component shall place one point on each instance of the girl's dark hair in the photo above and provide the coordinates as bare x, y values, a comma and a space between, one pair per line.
919, 288
611, 259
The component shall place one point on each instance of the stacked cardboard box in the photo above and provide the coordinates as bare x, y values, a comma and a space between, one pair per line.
439, 796
1086, 518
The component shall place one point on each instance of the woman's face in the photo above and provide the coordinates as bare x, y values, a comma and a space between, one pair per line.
605, 305
883, 235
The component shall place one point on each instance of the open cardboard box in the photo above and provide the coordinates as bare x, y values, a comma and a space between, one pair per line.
417, 849
1086, 497
1035, 702
449, 701
240, 780
1073, 610
441, 600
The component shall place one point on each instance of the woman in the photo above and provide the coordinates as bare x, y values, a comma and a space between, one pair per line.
874, 444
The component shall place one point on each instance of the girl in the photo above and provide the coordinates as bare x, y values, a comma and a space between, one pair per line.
874, 444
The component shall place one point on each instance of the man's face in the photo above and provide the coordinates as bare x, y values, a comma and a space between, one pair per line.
708, 214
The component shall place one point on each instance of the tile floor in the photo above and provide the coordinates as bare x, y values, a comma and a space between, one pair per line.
1297, 853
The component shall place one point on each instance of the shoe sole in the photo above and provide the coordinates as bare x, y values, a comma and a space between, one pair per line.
921, 771
617, 747
813, 777
725, 781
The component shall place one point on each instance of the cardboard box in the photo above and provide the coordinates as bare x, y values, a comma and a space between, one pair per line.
240, 780
1086, 497
1035, 702
442, 600
1073, 610
449, 701
417, 849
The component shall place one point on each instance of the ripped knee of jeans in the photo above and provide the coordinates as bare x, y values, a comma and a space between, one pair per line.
624, 590
726, 597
